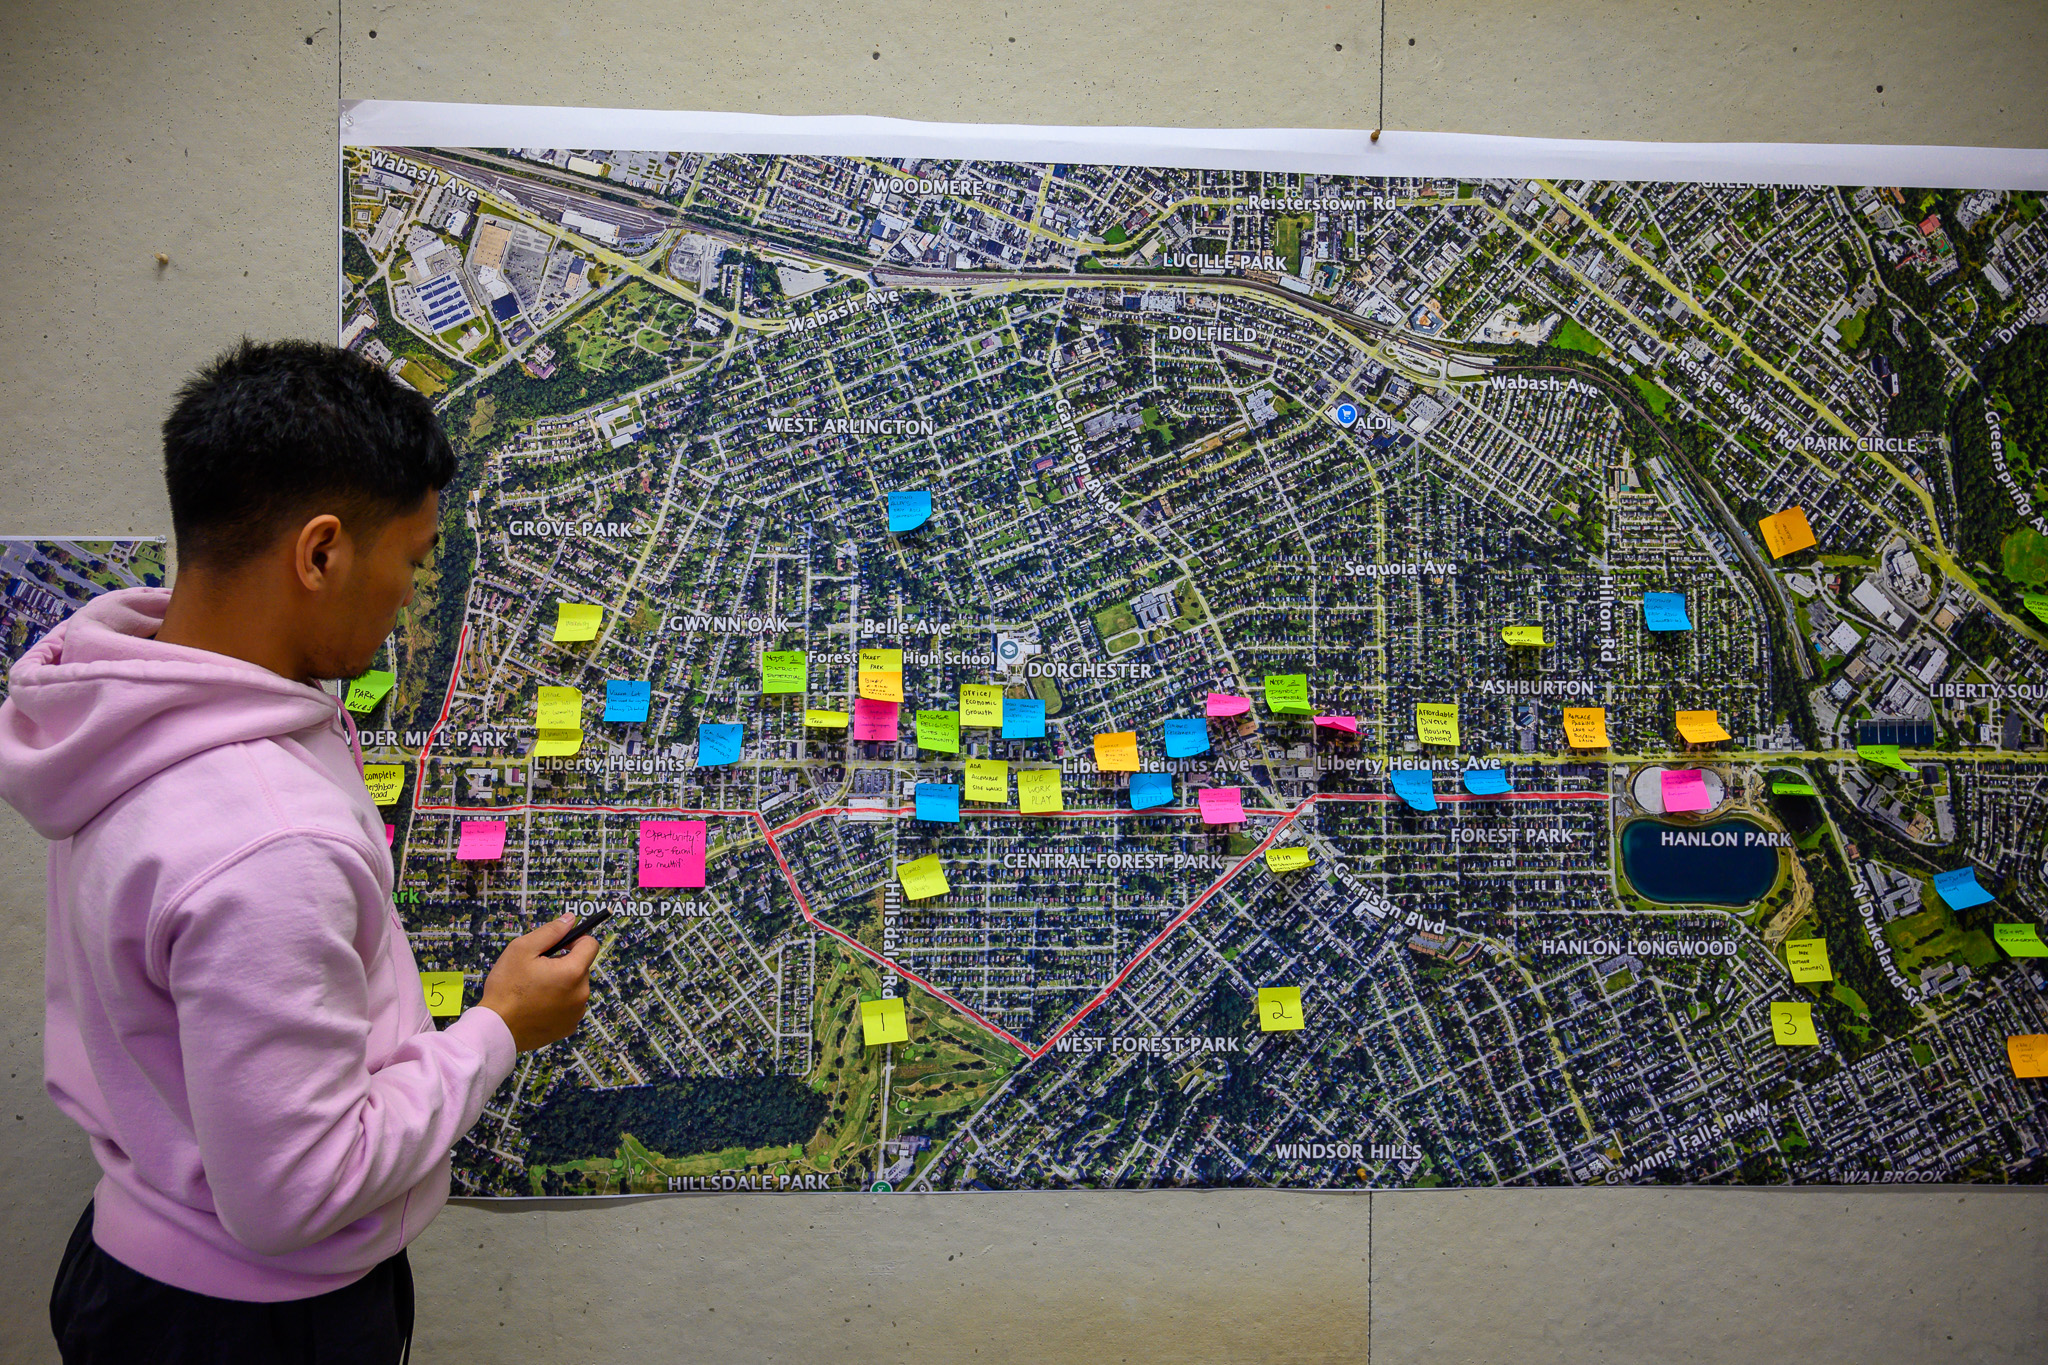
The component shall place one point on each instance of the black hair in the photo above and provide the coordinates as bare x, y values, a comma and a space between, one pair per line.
270, 431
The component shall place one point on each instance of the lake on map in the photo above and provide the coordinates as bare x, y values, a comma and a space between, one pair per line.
1728, 862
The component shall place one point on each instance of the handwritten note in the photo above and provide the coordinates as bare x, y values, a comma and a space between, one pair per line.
2028, 1053
1792, 789
672, 852
1185, 736
1808, 959
1221, 805
923, 878
2019, 940
1038, 791
1787, 533
1291, 859
883, 1021
1665, 611
1414, 786
365, 692
481, 841
1436, 722
1348, 724
1792, 1024
1280, 1008
1487, 782
1884, 756
909, 510
1522, 635
718, 745
1287, 694
1023, 718
1585, 727
1701, 727
1959, 888
939, 731
627, 701
1151, 789
981, 705
826, 720
1684, 789
881, 675
988, 779
385, 781
874, 720
577, 621
938, 802
1224, 704
1117, 751
444, 993
558, 721
785, 670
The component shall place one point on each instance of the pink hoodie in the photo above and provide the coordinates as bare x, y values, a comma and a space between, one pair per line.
234, 1015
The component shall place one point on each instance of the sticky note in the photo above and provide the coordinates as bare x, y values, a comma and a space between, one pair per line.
1291, 859
1487, 782
1348, 724
1522, 635
1787, 532
825, 720
939, 731
1684, 789
1151, 789
1223, 704
1792, 1024
444, 993
923, 878
385, 781
1792, 789
390, 834
365, 692
1287, 694
785, 670
1808, 959
1665, 611
718, 745
1117, 751
1415, 786
1038, 791
2019, 940
481, 841
883, 1021
1185, 736
881, 675
909, 510
938, 802
558, 719
1959, 888
577, 621
2037, 603
1023, 718
1884, 756
981, 704
1585, 727
1279, 1008
874, 720
1701, 727
672, 852
627, 701
988, 779
1436, 722
2028, 1053
1221, 805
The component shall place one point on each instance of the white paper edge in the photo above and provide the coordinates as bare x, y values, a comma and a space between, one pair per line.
1332, 151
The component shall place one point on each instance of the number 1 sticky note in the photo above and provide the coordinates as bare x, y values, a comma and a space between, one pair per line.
1415, 786
1280, 1008
1684, 789
785, 670
1701, 727
1225, 704
1665, 611
1959, 888
365, 692
1023, 718
1436, 722
923, 878
1808, 959
981, 705
577, 621
909, 510
1038, 791
1884, 756
672, 852
1117, 752
883, 1021
825, 720
1487, 782
558, 718
1287, 694
1787, 533
874, 720
1792, 1024
444, 993
1585, 727
385, 781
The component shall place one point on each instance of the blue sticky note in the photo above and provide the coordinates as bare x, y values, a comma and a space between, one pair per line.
1415, 786
908, 511
1151, 789
1023, 719
1186, 736
1487, 782
1665, 611
938, 801
719, 744
627, 700
1959, 888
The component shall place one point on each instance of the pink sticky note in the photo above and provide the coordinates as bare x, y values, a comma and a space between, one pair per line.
874, 719
1685, 789
1223, 704
390, 835
482, 841
1221, 805
1348, 724
671, 853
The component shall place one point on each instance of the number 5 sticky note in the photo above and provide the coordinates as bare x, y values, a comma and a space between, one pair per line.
444, 993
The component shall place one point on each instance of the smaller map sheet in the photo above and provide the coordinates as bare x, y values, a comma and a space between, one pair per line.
42, 581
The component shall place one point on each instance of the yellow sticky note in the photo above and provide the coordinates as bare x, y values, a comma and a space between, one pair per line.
785, 670
1038, 791
1808, 959
2028, 1053
1585, 727
444, 993
1288, 859
881, 674
1701, 727
1436, 722
559, 719
1117, 752
1279, 1008
577, 621
988, 779
883, 1021
385, 781
923, 878
1522, 635
1787, 532
981, 705
1792, 1024
826, 720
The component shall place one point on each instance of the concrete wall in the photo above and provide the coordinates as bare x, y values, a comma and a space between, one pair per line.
203, 129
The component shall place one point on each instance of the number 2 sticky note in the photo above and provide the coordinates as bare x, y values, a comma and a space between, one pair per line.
1280, 1008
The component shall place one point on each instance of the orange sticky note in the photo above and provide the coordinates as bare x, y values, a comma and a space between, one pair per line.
2028, 1053
1787, 532
1701, 727
1585, 727
1117, 752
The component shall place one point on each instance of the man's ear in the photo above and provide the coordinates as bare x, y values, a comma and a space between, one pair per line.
321, 553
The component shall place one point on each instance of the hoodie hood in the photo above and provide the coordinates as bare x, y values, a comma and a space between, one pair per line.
99, 706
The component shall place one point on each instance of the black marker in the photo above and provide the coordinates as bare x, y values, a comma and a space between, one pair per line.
582, 927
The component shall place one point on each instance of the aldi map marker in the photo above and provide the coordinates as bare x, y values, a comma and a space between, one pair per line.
785, 670
1038, 791
939, 731
1522, 635
718, 745
1684, 789
1344, 414
938, 802
1224, 704
1436, 722
825, 720
1185, 736
1117, 752
365, 692
874, 720
627, 701
672, 852
922, 878
1151, 789
482, 841
1792, 1024
1701, 727
1665, 611
1959, 888
981, 705
1487, 782
1808, 959
1221, 805
1280, 1008
988, 779
1348, 724
1787, 532
558, 719
1287, 694
908, 511
1023, 718
2019, 940
1290, 859
1585, 727
443, 991
881, 675
385, 781
883, 1021
1884, 756
577, 621
1416, 786
2028, 1053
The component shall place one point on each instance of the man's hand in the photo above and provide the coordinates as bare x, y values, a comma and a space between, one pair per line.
541, 999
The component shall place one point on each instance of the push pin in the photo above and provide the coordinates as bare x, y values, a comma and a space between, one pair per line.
1375, 135
162, 260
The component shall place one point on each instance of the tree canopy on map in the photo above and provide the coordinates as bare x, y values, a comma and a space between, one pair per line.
42, 581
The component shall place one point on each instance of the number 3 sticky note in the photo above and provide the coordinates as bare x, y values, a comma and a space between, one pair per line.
1792, 1024
444, 993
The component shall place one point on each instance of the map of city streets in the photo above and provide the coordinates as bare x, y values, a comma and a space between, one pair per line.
1181, 430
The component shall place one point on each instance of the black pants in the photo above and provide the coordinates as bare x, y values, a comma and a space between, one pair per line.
106, 1314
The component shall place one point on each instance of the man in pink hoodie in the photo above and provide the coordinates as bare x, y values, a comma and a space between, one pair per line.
233, 1013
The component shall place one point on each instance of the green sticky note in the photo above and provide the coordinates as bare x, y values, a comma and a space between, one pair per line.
2019, 940
1884, 755
784, 670
939, 730
2037, 603
365, 692
1792, 789
1287, 694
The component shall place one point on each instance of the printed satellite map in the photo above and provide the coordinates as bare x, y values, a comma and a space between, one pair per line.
42, 581
1747, 472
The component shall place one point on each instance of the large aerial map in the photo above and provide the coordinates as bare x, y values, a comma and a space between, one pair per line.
1183, 430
